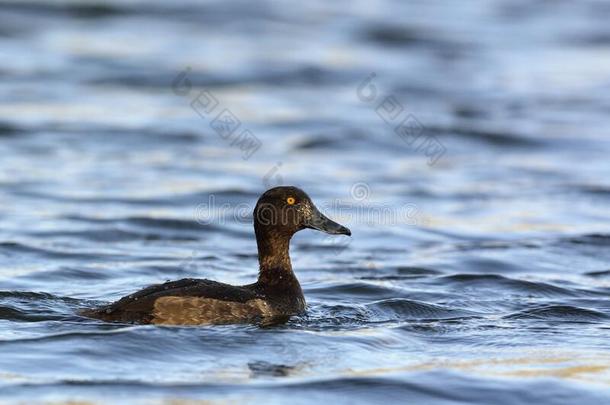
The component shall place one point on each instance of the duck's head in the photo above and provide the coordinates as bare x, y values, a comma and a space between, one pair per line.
287, 210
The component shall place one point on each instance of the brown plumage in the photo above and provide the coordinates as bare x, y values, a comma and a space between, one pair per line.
280, 212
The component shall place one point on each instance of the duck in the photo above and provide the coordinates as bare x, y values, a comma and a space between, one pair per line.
280, 212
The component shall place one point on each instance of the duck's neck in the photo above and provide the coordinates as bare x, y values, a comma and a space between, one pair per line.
275, 270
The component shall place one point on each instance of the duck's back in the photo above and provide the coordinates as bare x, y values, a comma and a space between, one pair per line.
187, 302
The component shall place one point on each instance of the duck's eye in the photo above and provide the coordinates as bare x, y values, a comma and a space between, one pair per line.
290, 200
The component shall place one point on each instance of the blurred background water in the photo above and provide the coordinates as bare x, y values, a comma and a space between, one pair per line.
478, 274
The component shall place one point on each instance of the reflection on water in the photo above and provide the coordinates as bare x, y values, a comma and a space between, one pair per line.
587, 367
475, 183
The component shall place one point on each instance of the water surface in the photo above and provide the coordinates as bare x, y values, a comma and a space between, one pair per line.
479, 275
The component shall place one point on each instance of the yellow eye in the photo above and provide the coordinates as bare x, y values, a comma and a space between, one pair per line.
290, 200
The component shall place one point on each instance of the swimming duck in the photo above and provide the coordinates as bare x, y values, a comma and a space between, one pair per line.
279, 213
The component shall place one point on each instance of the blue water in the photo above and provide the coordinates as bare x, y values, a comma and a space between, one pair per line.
465, 144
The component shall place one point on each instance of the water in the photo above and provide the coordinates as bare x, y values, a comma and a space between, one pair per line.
478, 272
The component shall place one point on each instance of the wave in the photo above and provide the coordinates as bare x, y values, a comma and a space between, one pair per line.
24, 306
13, 248
402, 273
353, 290
10, 130
400, 309
503, 284
565, 313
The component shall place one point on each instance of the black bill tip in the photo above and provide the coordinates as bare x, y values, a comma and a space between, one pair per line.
344, 231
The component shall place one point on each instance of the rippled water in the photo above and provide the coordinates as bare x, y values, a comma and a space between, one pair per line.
480, 274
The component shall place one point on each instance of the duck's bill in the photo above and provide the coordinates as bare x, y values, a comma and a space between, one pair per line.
321, 223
